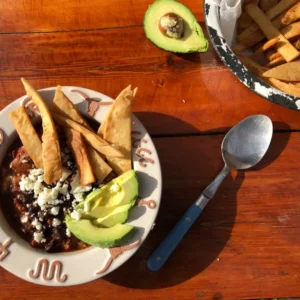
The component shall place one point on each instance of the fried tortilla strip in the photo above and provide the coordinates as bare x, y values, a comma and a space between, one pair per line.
291, 30
270, 14
116, 129
76, 142
51, 150
287, 72
255, 37
285, 48
244, 21
283, 86
292, 15
275, 62
65, 107
259, 70
269, 44
274, 56
28, 135
91, 138
266, 5
252, 65
100, 167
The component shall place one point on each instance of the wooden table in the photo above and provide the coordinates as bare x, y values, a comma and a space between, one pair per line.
247, 242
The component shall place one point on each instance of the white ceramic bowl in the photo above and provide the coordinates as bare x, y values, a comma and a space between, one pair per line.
212, 20
62, 269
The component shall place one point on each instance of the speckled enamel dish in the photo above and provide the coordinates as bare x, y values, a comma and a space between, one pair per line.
71, 268
212, 19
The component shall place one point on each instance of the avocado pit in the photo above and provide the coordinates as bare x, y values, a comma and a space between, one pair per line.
171, 25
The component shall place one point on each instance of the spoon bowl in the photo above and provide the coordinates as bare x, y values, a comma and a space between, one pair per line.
247, 142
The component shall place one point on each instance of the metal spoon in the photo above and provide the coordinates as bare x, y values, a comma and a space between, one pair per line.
242, 148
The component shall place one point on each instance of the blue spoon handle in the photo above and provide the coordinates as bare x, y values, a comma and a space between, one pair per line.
167, 246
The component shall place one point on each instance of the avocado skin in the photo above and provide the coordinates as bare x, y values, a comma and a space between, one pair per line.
187, 45
100, 237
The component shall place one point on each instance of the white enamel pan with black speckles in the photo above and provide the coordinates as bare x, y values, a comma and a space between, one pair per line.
212, 20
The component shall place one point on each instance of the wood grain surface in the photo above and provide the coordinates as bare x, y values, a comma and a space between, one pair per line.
246, 244
196, 88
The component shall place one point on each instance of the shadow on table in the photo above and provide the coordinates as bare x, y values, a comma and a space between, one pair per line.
210, 233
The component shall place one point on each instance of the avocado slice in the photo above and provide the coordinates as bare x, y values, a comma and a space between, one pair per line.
119, 192
100, 237
117, 215
171, 26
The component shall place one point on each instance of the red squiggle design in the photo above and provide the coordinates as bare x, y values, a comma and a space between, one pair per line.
55, 269
1, 136
143, 159
26, 101
32, 108
93, 105
3, 249
135, 142
149, 203
115, 252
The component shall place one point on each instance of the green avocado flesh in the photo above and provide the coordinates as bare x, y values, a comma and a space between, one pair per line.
106, 209
192, 39
100, 237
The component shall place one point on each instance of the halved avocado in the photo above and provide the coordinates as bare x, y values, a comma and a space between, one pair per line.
100, 237
119, 192
171, 26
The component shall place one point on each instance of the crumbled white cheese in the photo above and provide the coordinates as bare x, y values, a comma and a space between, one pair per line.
40, 178
56, 222
76, 215
45, 197
78, 197
76, 187
68, 232
36, 224
38, 188
36, 172
64, 189
65, 174
54, 210
114, 187
38, 237
26, 184
24, 219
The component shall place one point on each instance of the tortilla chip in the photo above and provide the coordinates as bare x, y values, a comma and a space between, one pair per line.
65, 107
284, 47
292, 15
50, 146
90, 137
28, 135
100, 167
76, 142
271, 14
286, 72
116, 129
